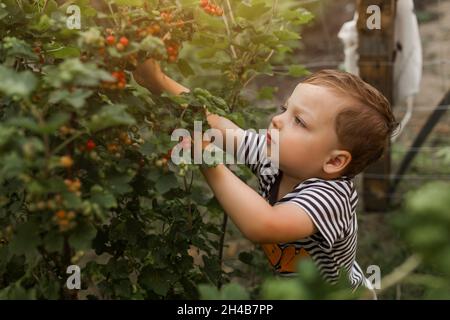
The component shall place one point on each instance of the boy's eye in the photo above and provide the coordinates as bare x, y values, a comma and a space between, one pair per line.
283, 108
300, 122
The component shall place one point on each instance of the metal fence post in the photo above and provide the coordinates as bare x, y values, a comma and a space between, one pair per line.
376, 57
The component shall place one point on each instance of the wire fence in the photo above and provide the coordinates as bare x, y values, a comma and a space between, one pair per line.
432, 161
436, 64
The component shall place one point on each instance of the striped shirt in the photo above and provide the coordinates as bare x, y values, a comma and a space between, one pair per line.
330, 204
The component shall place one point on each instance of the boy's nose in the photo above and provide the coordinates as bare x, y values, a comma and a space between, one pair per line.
276, 122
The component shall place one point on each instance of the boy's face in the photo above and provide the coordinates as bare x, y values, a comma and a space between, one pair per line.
308, 144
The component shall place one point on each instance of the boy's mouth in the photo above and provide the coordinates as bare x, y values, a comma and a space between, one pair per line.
269, 138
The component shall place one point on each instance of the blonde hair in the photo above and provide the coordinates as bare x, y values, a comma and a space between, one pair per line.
366, 124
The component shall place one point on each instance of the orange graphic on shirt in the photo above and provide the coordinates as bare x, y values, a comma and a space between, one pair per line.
284, 260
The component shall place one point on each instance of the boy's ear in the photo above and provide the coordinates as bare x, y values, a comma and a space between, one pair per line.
337, 161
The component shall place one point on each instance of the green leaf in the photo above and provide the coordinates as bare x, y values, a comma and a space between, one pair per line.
122, 288
53, 241
103, 198
286, 35
188, 3
433, 197
135, 3
266, 93
6, 133
230, 291
208, 292
50, 126
298, 71
202, 39
17, 84
44, 23
76, 99
147, 148
3, 13
18, 48
26, 239
251, 11
234, 291
110, 116
206, 53
71, 200
55, 121
16, 292
166, 182
51, 7
82, 236
11, 165
156, 280
237, 118
24, 122
75, 72
119, 183
65, 52
185, 68
152, 44
284, 289
299, 16
266, 39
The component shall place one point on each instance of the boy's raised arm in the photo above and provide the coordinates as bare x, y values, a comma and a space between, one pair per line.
150, 76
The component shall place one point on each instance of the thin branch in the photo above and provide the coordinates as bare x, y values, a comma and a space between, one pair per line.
221, 245
19, 3
66, 142
187, 190
273, 14
256, 74
225, 21
401, 272
113, 15
231, 12
44, 6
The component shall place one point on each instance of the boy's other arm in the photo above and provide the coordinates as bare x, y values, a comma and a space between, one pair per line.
255, 218
150, 76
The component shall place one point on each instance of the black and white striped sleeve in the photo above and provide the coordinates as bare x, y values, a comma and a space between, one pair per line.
328, 208
252, 151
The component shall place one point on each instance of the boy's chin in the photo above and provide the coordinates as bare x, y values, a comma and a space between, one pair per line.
269, 151
275, 150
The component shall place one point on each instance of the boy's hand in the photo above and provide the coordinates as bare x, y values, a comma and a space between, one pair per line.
150, 76
213, 119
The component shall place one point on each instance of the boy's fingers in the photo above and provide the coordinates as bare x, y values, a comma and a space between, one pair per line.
205, 144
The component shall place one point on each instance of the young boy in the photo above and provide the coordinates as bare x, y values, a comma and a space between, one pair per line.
332, 127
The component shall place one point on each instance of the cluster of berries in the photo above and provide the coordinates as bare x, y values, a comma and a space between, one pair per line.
73, 185
172, 50
111, 40
210, 8
64, 219
119, 83
152, 30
